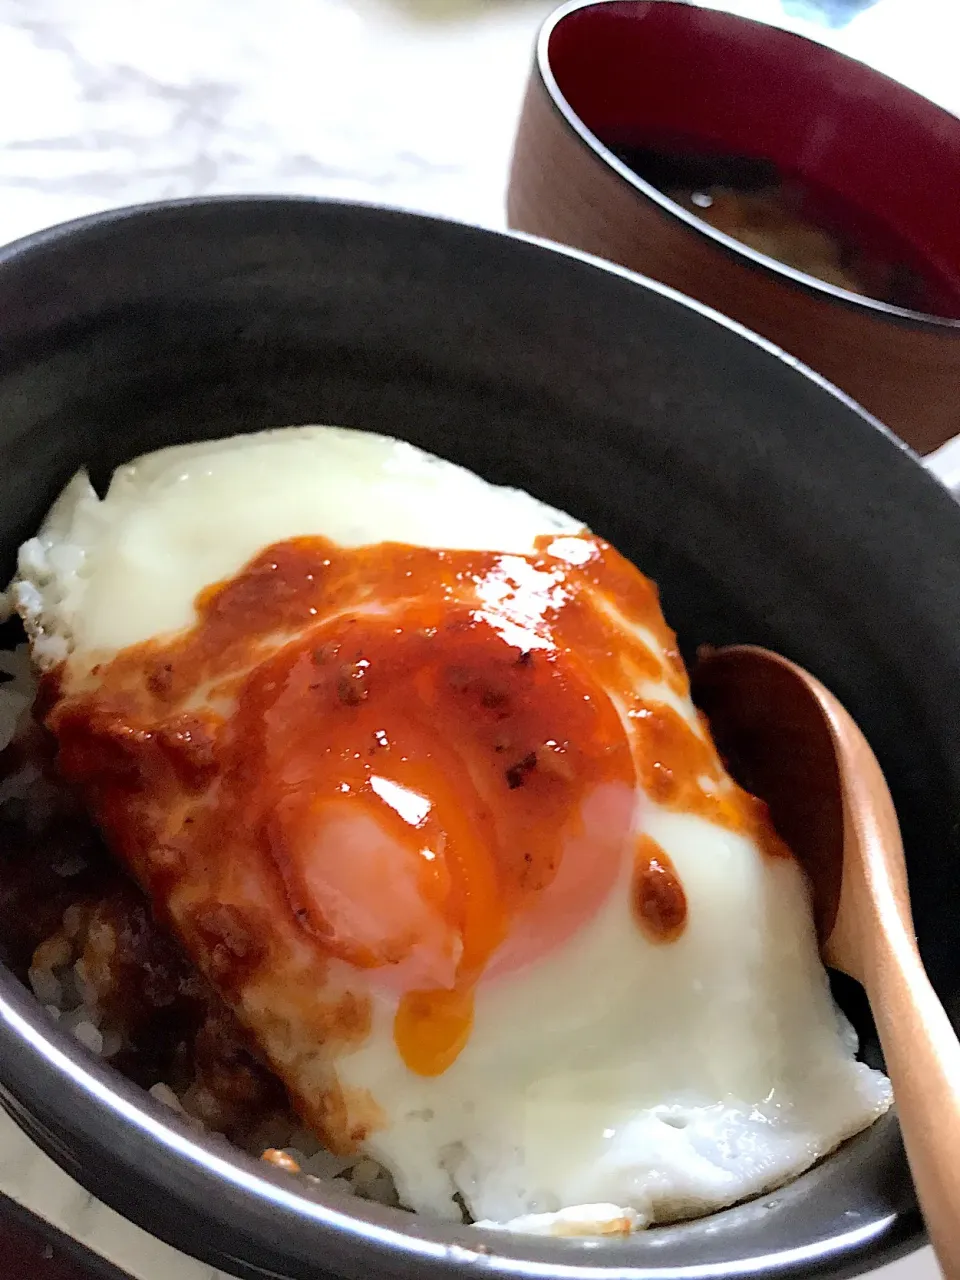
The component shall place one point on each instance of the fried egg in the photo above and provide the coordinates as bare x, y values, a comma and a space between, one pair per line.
410, 763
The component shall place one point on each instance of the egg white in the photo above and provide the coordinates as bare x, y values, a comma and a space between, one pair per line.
103, 575
615, 1082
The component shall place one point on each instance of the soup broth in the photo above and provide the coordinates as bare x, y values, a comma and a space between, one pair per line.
798, 223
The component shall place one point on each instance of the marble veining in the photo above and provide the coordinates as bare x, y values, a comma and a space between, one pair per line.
104, 103
410, 103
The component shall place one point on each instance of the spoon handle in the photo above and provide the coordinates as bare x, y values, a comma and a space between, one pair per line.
919, 1044
923, 1062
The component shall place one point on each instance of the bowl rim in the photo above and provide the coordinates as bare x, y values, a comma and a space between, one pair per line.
55, 1089
752, 258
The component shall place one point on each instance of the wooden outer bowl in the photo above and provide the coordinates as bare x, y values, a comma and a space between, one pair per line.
567, 186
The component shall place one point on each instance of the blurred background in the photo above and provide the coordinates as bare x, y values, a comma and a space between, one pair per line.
403, 102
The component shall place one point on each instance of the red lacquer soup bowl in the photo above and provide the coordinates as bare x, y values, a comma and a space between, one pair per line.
634, 102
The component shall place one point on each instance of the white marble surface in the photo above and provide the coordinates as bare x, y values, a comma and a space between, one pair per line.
403, 102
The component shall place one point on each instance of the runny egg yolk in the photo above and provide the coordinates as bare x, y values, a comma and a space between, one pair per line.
427, 759
420, 783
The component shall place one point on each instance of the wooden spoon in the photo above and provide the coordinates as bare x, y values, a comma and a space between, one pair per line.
788, 740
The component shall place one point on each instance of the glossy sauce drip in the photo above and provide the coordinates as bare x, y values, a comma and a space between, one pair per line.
425, 760
657, 898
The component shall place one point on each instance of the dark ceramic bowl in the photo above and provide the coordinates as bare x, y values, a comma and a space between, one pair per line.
618, 81
768, 508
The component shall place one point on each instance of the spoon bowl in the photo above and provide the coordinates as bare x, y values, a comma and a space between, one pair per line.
787, 739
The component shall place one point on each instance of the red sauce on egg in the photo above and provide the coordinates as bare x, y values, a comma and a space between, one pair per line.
657, 897
408, 759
